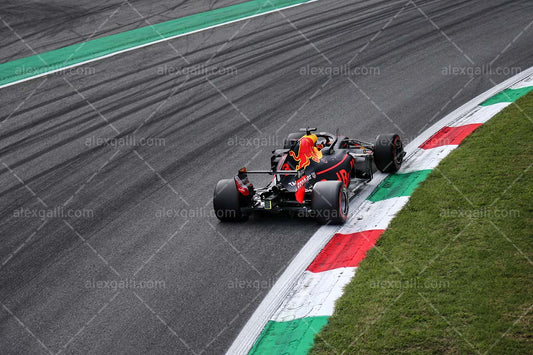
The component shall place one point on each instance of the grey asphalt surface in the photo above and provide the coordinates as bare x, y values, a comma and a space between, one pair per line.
146, 207
51, 24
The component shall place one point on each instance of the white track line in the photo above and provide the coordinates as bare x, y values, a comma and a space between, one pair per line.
150, 43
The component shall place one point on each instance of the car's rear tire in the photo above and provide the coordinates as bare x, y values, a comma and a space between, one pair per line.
388, 153
291, 139
227, 202
329, 201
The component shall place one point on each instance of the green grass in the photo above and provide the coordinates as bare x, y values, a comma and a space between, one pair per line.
453, 273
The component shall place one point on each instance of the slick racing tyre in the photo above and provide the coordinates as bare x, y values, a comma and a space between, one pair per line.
227, 202
329, 201
388, 153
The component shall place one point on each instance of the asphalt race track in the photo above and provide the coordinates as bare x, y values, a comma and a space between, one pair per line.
109, 243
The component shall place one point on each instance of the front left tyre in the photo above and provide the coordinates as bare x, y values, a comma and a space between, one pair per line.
388, 153
227, 202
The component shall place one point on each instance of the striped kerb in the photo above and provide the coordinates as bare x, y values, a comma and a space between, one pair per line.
508, 95
450, 136
397, 185
293, 337
345, 250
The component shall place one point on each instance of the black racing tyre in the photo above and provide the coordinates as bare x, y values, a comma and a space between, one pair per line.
291, 139
329, 201
388, 153
227, 202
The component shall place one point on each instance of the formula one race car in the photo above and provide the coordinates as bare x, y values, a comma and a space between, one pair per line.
313, 175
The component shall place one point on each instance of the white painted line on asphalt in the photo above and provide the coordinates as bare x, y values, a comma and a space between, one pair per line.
481, 114
523, 84
151, 43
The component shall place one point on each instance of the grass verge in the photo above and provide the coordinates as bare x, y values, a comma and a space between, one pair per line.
454, 271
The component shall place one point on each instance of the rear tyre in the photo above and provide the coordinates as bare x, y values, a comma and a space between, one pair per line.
388, 153
227, 202
329, 201
291, 139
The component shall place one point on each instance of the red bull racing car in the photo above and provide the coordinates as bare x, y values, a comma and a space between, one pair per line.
314, 174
